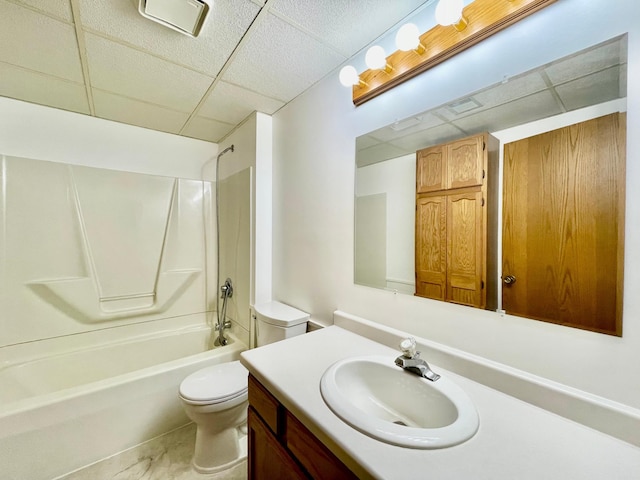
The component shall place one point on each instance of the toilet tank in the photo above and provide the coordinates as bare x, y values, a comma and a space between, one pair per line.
276, 321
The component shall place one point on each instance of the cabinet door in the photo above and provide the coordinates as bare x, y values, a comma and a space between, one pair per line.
267, 459
431, 246
465, 255
465, 160
430, 169
314, 456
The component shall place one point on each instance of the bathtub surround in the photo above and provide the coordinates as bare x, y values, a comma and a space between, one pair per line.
89, 248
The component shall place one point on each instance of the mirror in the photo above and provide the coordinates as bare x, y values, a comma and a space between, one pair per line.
589, 84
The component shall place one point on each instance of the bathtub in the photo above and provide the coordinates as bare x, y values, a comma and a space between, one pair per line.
63, 411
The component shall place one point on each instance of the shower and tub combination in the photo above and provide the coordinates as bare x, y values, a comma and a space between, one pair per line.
102, 340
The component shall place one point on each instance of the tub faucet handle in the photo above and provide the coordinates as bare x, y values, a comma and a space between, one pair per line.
226, 324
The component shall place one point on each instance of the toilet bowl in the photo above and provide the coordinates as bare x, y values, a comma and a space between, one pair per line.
215, 398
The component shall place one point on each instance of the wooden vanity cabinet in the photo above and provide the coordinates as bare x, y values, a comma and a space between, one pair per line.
280, 447
456, 224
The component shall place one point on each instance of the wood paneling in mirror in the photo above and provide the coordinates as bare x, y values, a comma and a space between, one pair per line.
486, 17
563, 225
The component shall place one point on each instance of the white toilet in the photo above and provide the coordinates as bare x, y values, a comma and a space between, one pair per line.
215, 397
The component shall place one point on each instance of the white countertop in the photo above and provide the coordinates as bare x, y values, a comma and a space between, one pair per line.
516, 440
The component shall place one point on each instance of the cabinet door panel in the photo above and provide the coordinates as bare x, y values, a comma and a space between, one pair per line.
431, 247
430, 169
267, 459
465, 162
464, 243
312, 454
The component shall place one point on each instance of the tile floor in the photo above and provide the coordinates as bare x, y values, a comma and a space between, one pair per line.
163, 458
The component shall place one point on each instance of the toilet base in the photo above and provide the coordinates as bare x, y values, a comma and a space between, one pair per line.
242, 442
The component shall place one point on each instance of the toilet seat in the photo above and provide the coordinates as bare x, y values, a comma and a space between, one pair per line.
216, 384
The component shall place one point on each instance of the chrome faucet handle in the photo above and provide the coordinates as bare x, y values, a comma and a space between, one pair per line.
408, 347
225, 324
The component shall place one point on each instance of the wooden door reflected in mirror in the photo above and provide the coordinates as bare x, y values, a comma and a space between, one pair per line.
563, 225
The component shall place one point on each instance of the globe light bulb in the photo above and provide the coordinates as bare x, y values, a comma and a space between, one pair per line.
349, 76
375, 58
408, 37
449, 12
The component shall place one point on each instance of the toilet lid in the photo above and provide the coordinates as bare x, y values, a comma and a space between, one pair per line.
215, 384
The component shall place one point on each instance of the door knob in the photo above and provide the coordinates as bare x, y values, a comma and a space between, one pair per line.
509, 279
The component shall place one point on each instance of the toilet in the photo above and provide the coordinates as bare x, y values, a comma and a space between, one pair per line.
215, 398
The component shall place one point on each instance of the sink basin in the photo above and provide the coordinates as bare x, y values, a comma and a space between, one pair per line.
383, 401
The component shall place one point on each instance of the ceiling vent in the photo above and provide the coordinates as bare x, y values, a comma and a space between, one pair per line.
463, 106
184, 16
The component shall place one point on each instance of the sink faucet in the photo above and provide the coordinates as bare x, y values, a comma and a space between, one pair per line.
410, 360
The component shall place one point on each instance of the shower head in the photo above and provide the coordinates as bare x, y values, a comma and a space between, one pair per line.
228, 149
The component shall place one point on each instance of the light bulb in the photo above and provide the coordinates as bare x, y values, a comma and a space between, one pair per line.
449, 12
349, 76
375, 58
408, 37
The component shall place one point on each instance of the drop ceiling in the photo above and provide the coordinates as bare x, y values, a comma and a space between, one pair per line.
102, 58
592, 76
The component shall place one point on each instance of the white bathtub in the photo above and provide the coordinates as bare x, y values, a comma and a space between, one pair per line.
64, 411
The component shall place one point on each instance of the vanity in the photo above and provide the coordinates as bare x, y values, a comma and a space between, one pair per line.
294, 434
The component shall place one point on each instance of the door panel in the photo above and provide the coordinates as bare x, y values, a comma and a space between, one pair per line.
563, 225
465, 162
464, 240
430, 170
431, 246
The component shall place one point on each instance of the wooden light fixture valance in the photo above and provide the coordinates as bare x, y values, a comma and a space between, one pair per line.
485, 17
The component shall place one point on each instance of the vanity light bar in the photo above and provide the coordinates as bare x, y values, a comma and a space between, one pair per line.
477, 21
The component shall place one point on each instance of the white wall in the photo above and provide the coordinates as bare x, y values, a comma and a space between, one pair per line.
314, 151
397, 178
43, 133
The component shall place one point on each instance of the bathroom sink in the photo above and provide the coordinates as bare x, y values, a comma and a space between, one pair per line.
385, 402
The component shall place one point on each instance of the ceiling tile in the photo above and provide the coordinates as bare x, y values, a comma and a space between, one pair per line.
232, 104
346, 25
512, 89
415, 124
22, 30
590, 61
378, 153
58, 8
277, 51
16, 82
207, 129
433, 136
365, 141
207, 53
597, 88
527, 109
129, 72
134, 112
